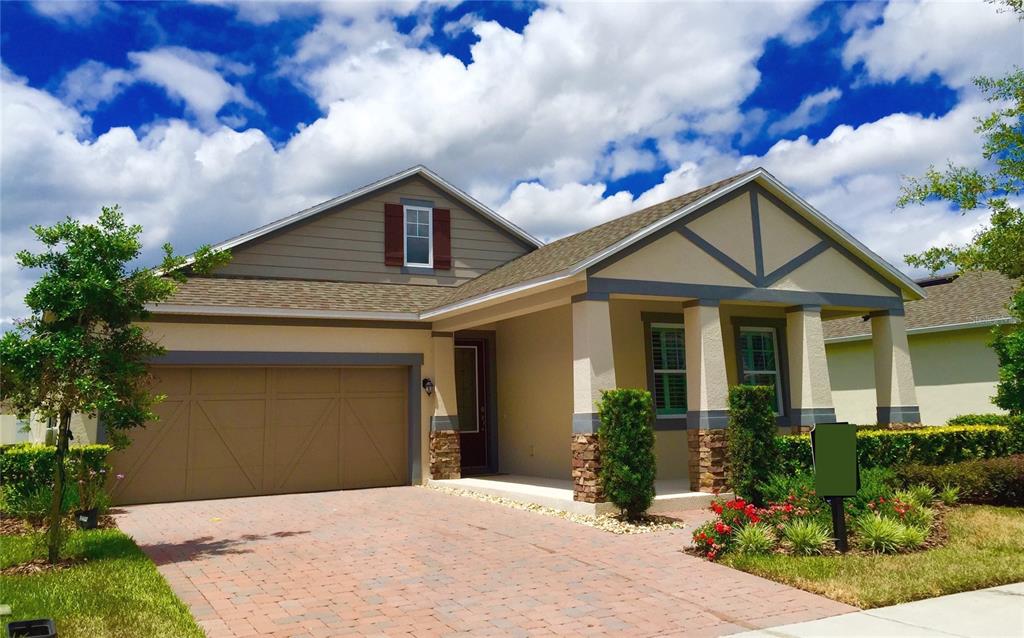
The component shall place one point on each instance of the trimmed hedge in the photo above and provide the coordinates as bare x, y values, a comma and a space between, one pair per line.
929, 446
26, 469
992, 481
753, 453
626, 435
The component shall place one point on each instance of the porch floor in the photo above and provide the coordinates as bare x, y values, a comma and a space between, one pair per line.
672, 495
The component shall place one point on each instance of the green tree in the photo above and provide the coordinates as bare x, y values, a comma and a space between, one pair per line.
81, 350
999, 246
752, 449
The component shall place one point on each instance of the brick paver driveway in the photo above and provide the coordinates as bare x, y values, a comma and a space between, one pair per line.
415, 561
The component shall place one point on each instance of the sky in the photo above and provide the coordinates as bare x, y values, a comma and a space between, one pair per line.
203, 120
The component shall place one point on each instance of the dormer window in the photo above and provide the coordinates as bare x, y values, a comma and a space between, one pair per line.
419, 236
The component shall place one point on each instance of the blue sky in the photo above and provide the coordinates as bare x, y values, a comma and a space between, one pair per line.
206, 119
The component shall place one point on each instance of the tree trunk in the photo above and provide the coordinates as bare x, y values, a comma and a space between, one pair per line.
57, 502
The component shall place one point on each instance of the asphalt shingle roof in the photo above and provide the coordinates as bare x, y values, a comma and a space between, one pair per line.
971, 297
299, 294
381, 297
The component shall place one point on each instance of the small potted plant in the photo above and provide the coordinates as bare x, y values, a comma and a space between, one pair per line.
92, 497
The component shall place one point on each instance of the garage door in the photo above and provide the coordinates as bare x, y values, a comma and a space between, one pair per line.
245, 431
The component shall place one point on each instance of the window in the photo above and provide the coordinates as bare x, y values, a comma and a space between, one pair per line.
418, 245
668, 365
759, 355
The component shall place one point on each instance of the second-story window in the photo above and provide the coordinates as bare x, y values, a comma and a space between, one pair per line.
418, 236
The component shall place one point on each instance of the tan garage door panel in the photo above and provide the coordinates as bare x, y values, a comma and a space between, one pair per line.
243, 431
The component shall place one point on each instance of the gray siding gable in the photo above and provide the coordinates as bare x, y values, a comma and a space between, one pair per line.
346, 243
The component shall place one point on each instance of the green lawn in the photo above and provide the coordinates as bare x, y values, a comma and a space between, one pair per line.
985, 549
118, 592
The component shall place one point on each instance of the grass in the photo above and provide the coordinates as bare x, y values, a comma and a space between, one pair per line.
116, 592
985, 549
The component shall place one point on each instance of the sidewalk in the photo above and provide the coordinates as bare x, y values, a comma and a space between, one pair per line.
987, 613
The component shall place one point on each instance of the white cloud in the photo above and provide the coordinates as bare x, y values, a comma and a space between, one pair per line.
811, 109
194, 78
956, 40
94, 83
458, 27
77, 12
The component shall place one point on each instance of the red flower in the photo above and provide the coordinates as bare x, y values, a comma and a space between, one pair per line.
716, 507
787, 508
722, 528
712, 554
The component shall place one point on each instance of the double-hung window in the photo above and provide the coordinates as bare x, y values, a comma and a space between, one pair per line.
668, 367
419, 250
759, 354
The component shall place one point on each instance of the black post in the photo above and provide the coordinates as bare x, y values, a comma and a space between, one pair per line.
839, 523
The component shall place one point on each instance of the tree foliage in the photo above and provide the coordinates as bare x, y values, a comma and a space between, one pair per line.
80, 350
999, 246
753, 451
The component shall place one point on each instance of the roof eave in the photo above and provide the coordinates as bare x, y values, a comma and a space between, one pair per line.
946, 327
267, 311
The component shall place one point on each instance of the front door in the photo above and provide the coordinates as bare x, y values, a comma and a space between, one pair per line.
472, 362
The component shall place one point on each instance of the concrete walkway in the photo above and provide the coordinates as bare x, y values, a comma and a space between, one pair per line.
986, 613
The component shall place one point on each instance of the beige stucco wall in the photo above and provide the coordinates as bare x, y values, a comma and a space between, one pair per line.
673, 258
955, 373
782, 237
242, 337
729, 228
535, 393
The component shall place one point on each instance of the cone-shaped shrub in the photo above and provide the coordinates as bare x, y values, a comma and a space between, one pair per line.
753, 454
626, 435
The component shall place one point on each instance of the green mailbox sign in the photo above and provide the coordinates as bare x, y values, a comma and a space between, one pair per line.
834, 451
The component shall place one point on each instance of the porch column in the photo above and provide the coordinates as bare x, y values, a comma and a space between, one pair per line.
894, 375
707, 393
593, 370
445, 456
810, 392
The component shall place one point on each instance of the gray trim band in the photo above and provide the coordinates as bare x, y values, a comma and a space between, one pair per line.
442, 423
811, 416
804, 308
422, 203
706, 303
228, 357
585, 423
670, 424
755, 224
589, 296
718, 255
736, 293
898, 414
707, 419
891, 312
795, 262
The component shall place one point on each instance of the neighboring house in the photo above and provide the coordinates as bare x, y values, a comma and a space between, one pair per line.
954, 367
404, 331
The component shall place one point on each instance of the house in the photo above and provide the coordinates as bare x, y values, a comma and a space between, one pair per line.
405, 332
955, 369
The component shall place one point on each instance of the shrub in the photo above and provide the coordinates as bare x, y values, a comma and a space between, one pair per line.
713, 538
751, 439
755, 538
912, 537
875, 483
922, 494
889, 448
626, 436
949, 494
981, 419
26, 470
918, 516
805, 536
990, 481
878, 533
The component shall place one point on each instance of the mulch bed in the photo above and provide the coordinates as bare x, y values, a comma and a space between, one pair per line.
10, 526
40, 566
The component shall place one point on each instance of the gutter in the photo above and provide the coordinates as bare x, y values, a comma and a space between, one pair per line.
242, 311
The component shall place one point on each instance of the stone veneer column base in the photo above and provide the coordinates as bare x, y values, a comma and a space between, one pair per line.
707, 467
445, 455
586, 465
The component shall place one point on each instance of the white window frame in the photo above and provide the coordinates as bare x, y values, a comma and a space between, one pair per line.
430, 235
778, 363
656, 371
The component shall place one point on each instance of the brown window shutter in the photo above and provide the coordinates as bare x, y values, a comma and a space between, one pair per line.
442, 239
394, 237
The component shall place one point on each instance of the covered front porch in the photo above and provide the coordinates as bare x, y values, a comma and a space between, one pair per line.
730, 292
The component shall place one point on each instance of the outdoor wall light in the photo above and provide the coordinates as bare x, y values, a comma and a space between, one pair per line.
428, 386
